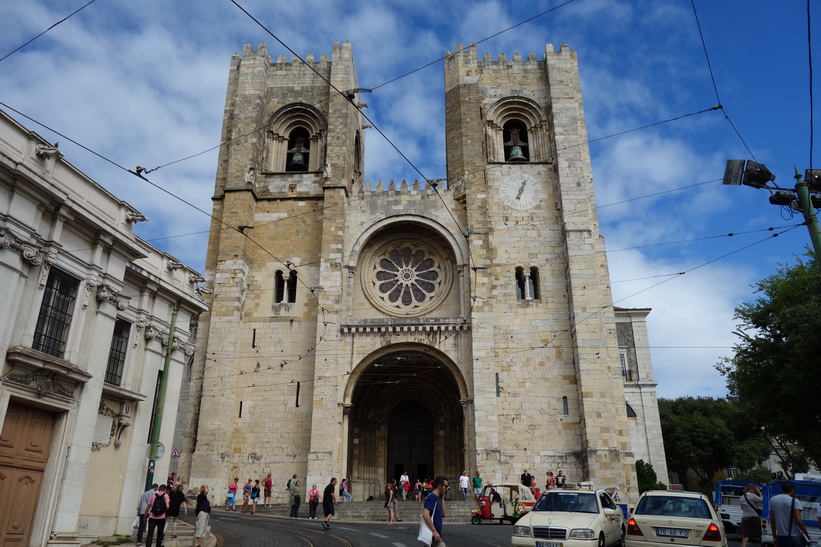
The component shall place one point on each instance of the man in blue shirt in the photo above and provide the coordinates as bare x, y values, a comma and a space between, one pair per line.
435, 509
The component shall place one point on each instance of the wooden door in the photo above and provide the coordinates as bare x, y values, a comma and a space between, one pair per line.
25, 442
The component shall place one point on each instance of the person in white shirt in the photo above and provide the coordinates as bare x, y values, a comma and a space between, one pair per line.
751, 503
404, 483
464, 484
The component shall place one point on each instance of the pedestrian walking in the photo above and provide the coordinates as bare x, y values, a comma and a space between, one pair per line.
751, 504
246, 495
313, 502
329, 503
142, 511
559, 480
157, 509
785, 519
464, 485
296, 499
231, 496
417, 489
176, 501
203, 512
255, 496
434, 510
267, 486
477, 486
404, 485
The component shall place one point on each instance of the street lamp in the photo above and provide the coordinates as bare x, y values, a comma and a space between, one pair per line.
806, 197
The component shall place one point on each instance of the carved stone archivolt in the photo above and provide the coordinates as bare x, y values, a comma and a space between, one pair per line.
43, 382
30, 253
119, 423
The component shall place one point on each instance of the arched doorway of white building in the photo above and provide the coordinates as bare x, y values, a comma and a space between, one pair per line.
405, 414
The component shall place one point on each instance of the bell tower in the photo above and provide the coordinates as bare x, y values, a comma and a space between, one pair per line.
292, 150
546, 373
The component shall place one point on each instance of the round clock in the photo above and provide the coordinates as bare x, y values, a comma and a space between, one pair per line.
521, 191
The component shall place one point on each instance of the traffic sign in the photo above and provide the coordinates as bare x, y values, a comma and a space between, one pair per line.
175, 453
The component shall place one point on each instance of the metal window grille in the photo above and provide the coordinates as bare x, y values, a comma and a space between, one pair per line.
116, 355
51, 333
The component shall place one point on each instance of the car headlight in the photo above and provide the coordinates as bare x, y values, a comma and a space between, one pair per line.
521, 530
582, 533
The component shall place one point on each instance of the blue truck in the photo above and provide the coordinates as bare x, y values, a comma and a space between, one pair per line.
809, 493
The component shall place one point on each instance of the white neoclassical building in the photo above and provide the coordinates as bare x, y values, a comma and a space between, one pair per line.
84, 323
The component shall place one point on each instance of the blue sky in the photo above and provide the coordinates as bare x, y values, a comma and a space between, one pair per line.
143, 83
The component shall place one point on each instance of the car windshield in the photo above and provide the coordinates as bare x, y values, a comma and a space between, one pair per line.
673, 506
568, 502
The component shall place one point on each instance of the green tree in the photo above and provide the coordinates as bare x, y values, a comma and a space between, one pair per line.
777, 364
708, 435
647, 478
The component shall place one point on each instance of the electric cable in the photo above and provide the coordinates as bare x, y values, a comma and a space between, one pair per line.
473, 43
67, 17
138, 172
713, 79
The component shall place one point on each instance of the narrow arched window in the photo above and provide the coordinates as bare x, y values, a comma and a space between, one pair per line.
630, 412
565, 407
514, 134
533, 283
357, 153
292, 286
279, 287
521, 286
298, 150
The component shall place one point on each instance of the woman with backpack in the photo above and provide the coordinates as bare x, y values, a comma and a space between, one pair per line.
156, 510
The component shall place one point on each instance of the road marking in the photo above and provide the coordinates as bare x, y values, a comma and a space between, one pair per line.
379, 535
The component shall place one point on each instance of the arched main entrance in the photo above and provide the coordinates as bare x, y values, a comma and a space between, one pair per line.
405, 414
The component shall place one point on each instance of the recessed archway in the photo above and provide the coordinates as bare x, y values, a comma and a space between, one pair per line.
405, 414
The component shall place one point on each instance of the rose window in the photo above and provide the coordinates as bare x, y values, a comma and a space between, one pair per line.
406, 278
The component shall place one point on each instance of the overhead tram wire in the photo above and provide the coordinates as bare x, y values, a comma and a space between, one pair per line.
373, 124
137, 173
718, 236
485, 39
713, 79
66, 18
569, 329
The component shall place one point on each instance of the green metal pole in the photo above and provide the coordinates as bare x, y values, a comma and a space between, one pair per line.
155, 432
803, 191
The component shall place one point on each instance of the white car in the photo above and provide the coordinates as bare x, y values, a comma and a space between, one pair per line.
571, 518
665, 518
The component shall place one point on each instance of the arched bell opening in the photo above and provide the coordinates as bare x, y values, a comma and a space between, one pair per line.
406, 415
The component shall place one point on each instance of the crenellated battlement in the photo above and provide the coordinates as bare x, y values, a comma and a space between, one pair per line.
403, 187
469, 56
248, 54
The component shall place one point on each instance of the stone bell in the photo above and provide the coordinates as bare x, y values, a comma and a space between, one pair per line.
298, 151
516, 154
516, 145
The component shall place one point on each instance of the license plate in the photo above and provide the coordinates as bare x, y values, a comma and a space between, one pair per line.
672, 533
548, 544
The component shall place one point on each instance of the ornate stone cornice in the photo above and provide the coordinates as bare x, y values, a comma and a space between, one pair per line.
107, 293
30, 253
43, 382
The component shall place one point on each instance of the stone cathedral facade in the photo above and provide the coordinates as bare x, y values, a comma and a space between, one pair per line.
359, 330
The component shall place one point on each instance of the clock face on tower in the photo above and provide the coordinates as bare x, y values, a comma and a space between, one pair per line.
521, 191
